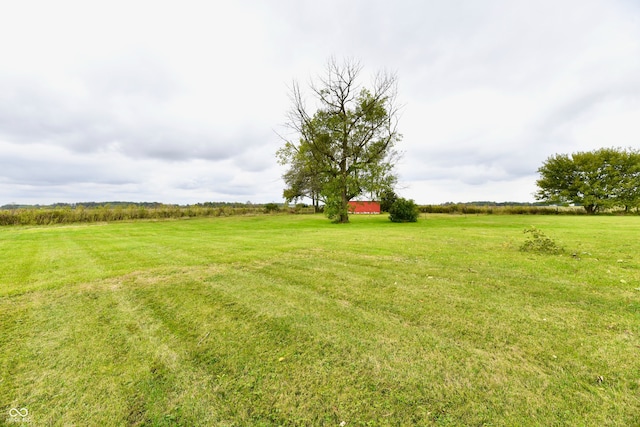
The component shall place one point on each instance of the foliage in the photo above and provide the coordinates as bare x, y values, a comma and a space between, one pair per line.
387, 197
538, 242
108, 213
345, 147
403, 210
303, 178
271, 207
471, 209
597, 180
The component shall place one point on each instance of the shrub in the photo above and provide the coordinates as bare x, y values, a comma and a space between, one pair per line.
403, 210
271, 207
538, 242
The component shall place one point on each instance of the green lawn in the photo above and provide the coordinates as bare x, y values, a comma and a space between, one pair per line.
293, 320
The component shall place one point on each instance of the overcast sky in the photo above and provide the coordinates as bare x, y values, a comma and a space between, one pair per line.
182, 101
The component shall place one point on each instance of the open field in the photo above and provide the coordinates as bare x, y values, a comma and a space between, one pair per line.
292, 320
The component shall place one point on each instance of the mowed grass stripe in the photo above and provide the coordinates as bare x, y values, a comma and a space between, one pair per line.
291, 320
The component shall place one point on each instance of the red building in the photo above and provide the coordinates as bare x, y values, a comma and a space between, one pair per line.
358, 207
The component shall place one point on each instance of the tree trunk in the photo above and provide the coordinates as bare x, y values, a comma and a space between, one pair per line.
344, 202
344, 215
344, 207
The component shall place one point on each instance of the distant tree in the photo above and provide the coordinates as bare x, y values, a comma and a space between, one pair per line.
597, 180
345, 146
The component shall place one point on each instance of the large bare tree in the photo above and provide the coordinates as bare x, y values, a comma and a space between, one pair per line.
345, 145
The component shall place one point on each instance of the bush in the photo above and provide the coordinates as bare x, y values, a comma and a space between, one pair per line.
271, 208
539, 243
403, 210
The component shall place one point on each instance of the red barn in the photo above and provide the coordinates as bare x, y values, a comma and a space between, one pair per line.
358, 207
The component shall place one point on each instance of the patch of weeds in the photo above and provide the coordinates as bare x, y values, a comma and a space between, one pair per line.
137, 411
538, 242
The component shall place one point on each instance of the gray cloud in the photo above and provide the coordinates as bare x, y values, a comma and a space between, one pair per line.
40, 165
112, 121
115, 106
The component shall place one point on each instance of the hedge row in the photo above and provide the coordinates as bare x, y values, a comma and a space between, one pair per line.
502, 210
108, 214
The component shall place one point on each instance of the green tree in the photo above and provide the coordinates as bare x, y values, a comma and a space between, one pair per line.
345, 146
627, 168
597, 180
387, 198
302, 179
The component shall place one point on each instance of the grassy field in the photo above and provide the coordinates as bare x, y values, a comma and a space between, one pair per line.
292, 320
